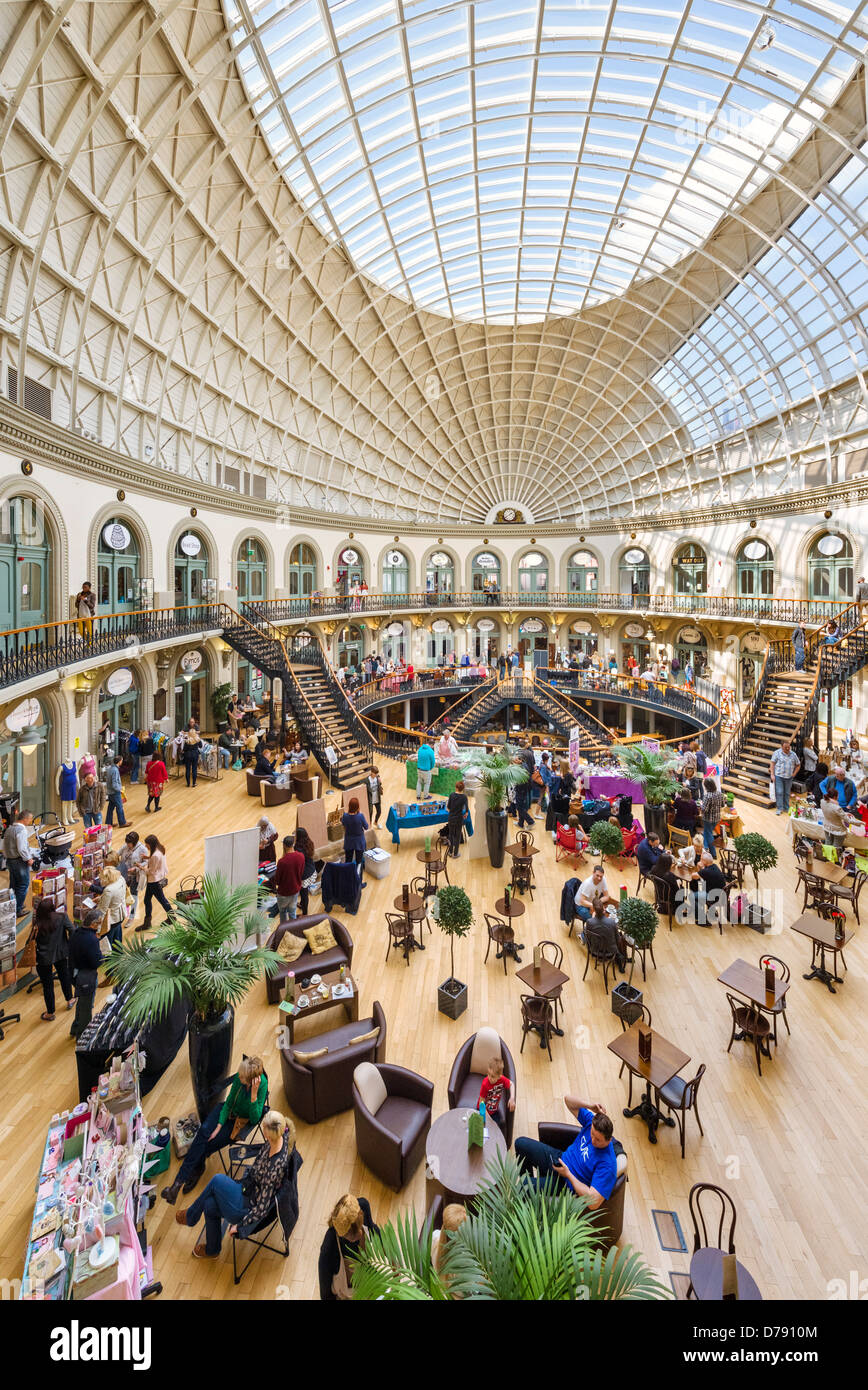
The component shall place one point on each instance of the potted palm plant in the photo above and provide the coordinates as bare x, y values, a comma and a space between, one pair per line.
196, 955
497, 773
452, 910
518, 1244
653, 772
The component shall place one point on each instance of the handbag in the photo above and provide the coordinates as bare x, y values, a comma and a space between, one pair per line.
537, 777
189, 889
341, 1283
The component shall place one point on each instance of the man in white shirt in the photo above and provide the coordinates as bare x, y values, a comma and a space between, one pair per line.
592, 891
19, 855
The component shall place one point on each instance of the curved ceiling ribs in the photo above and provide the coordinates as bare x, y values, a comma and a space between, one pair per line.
160, 275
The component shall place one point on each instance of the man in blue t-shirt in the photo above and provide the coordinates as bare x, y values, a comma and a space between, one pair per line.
589, 1165
425, 761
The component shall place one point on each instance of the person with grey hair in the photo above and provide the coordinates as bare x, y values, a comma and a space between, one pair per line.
838, 786
267, 840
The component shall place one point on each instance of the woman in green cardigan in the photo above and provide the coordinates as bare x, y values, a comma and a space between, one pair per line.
242, 1109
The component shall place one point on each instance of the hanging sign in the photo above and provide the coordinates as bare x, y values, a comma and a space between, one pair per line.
634, 557
753, 642
690, 635
190, 544
349, 557
440, 560
634, 630
441, 625
830, 545
755, 550
581, 626
486, 561
116, 536
23, 716
532, 625
395, 558
191, 661
119, 681
395, 630
486, 625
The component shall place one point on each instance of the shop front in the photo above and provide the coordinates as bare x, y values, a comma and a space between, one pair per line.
117, 569
691, 649
350, 646
634, 576
351, 571
439, 575
441, 642
119, 699
192, 584
533, 643
581, 639
484, 640
635, 643
395, 644
25, 555
485, 576
191, 688
24, 756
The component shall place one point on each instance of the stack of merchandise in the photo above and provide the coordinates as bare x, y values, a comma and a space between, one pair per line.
86, 863
7, 937
86, 1237
50, 885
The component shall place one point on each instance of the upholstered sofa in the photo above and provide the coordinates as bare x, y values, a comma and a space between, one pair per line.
609, 1220
392, 1108
317, 1087
332, 959
469, 1069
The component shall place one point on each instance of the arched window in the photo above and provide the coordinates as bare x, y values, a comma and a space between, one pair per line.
350, 644
755, 569
302, 571
830, 567
439, 574
396, 572
691, 570
24, 559
117, 568
533, 573
441, 641
191, 570
691, 649
119, 699
485, 576
394, 643
251, 569
351, 570
634, 575
484, 640
583, 573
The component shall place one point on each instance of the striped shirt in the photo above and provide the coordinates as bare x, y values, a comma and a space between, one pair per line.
784, 764
712, 805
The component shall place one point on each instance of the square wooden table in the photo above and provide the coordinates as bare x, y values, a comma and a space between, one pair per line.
318, 1003
667, 1061
544, 981
750, 981
821, 933
830, 873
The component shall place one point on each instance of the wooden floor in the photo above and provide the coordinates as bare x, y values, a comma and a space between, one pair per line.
790, 1147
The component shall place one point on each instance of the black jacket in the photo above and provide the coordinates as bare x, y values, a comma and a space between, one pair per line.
568, 899
85, 958
333, 1249
52, 942
456, 805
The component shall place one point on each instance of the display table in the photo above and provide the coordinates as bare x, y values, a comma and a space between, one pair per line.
443, 779
616, 786
416, 819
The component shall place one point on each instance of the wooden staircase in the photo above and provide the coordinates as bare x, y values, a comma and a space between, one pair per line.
354, 759
782, 708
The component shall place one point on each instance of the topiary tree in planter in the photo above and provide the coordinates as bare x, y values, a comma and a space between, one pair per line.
637, 919
756, 851
606, 839
452, 910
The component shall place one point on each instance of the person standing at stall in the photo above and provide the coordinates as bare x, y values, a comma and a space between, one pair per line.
457, 808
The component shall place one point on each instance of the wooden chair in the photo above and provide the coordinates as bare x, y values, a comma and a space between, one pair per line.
753, 1024
522, 876
679, 1096
442, 846
524, 838
553, 952
502, 934
850, 893
663, 903
643, 1017
537, 1013
432, 873
420, 914
598, 950
679, 839
400, 933
731, 867
783, 970
819, 895
700, 1199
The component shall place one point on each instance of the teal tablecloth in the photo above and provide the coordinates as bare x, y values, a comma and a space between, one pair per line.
443, 779
414, 820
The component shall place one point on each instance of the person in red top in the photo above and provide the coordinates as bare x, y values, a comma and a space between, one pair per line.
287, 879
156, 777
496, 1092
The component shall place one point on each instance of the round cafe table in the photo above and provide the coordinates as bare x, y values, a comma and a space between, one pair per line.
413, 903
516, 907
451, 1169
706, 1278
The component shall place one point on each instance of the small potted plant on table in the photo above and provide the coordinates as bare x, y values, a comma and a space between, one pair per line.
452, 910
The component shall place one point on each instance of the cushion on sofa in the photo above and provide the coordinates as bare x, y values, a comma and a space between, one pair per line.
320, 938
290, 946
364, 1037
304, 1057
468, 1094
486, 1045
371, 1086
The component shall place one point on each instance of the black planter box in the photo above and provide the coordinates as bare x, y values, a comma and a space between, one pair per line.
627, 1002
452, 1005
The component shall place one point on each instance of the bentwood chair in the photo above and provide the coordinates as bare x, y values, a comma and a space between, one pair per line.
731, 867
553, 952
753, 1025
779, 1009
420, 914
636, 1017
714, 1216
849, 893
679, 1096
599, 951
400, 933
537, 1015
522, 876
502, 934
441, 844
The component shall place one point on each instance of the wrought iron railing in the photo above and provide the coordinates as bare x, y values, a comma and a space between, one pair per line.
695, 704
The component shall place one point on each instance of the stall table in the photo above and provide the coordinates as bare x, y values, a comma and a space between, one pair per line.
416, 820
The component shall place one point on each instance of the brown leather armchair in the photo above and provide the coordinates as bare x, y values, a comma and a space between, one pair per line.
609, 1217
469, 1070
272, 795
333, 959
392, 1109
321, 1086
253, 785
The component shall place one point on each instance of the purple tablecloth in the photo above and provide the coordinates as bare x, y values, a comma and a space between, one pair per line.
617, 786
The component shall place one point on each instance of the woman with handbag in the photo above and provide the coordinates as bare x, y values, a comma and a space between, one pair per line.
156, 878
53, 930
456, 805
349, 1226
192, 747
156, 777
112, 902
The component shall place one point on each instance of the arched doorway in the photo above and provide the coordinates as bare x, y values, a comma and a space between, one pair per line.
439, 574
533, 574
635, 643
830, 567
119, 699
25, 554
117, 572
191, 570
484, 640
583, 573
485, 576
634, 576
396, 573
351, 570
441, 641
581, 639
691, 570
251, 568
24, 748
691, 647
754, 570
191, 688
533, 642
750, 661
302, 571
350, 646
395, 643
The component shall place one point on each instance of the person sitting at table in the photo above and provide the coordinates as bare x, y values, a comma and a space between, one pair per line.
242, 1108
589, 1166
225, 748
648, 851
839, 786
297, 754
591, 891
244, 1204
457, 806
454, 1216
263, 766
710, 891
686, 811
249, 702
605, 929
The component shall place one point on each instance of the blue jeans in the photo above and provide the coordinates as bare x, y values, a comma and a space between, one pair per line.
583, 914
136, 761
221, 1201
225, 756
203, 1145
92, 818
535, 1160
115, 804
782, 793
19, 881
116, 934
522, 804
708, 839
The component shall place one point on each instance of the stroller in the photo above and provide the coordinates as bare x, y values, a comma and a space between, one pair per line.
54, 840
